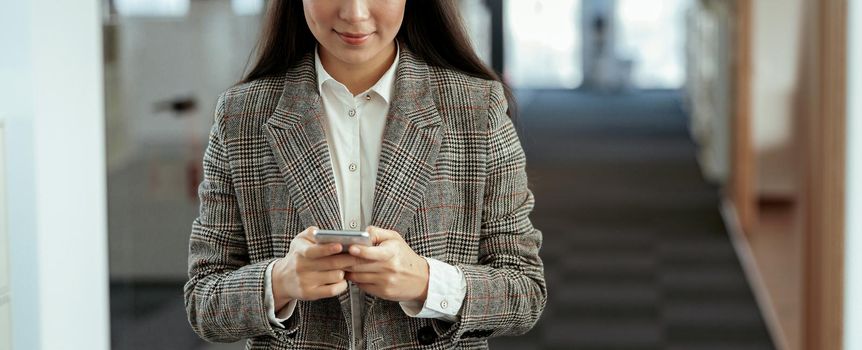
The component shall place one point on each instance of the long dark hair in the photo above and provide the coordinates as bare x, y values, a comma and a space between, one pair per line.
432, 29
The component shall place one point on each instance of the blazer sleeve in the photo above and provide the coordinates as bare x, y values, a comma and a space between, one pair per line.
506, 290
224, 296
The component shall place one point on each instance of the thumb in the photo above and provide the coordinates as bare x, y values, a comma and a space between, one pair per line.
379, 235
302, 240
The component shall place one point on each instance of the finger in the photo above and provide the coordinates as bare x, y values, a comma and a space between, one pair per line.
380, 253
368, 266
326, 277
379, 235
308, 234
317, 251
335, 262
302, 239
363, 277
329, 290
298, 244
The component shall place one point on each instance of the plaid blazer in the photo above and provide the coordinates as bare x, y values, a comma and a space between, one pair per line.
451, 180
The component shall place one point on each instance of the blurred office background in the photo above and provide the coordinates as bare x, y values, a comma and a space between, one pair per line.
693, 163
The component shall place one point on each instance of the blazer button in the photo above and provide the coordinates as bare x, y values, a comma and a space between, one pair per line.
426, 335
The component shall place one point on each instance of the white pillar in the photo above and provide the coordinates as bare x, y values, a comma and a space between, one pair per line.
853, 243
52, 107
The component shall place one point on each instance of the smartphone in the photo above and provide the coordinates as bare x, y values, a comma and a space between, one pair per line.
346, 238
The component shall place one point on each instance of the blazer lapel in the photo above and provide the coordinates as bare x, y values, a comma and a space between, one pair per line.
411, 143
296, 135
297, 138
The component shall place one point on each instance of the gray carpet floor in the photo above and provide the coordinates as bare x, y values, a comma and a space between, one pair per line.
636, 254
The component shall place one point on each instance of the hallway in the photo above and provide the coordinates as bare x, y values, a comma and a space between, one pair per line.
110, 106
635, 250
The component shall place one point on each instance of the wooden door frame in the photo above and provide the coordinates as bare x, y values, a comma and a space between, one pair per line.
743, 175
824, 137
822, 106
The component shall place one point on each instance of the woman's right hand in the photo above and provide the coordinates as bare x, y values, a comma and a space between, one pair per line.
309, 271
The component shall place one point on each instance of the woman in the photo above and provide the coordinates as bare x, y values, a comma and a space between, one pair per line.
364, 114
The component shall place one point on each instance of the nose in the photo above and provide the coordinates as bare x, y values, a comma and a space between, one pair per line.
354, 11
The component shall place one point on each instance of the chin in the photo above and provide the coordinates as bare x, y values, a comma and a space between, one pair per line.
354, 55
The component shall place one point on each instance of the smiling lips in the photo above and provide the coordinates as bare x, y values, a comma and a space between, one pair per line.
353, 38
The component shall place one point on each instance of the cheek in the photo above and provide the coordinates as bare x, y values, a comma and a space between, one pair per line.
391, 19
315, 15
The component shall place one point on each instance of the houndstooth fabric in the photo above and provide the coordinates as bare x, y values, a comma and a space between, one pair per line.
451, 180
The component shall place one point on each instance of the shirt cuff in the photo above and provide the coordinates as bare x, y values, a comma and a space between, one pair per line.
446, 290
285, 312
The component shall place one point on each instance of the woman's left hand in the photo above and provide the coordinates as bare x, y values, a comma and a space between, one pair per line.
389, 269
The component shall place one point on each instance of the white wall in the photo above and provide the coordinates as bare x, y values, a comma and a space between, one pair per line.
777, 26
708, 86
158, 59
5, 306
149, 153
853, 244
17, 115
52, 101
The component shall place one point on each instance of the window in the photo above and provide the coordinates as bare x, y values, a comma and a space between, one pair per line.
152, 8
652, 35
247, 7
543, 43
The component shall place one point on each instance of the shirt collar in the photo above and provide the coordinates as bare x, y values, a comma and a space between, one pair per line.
382, 87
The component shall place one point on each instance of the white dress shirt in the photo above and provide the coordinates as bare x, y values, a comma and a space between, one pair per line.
354, 128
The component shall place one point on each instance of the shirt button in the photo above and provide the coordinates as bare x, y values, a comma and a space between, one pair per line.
444, 304
351, 112
368, 97
352, 223
352, 167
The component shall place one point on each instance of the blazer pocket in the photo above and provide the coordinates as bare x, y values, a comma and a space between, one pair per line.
433, 220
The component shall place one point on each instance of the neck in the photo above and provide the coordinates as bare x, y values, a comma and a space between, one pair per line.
361, 76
